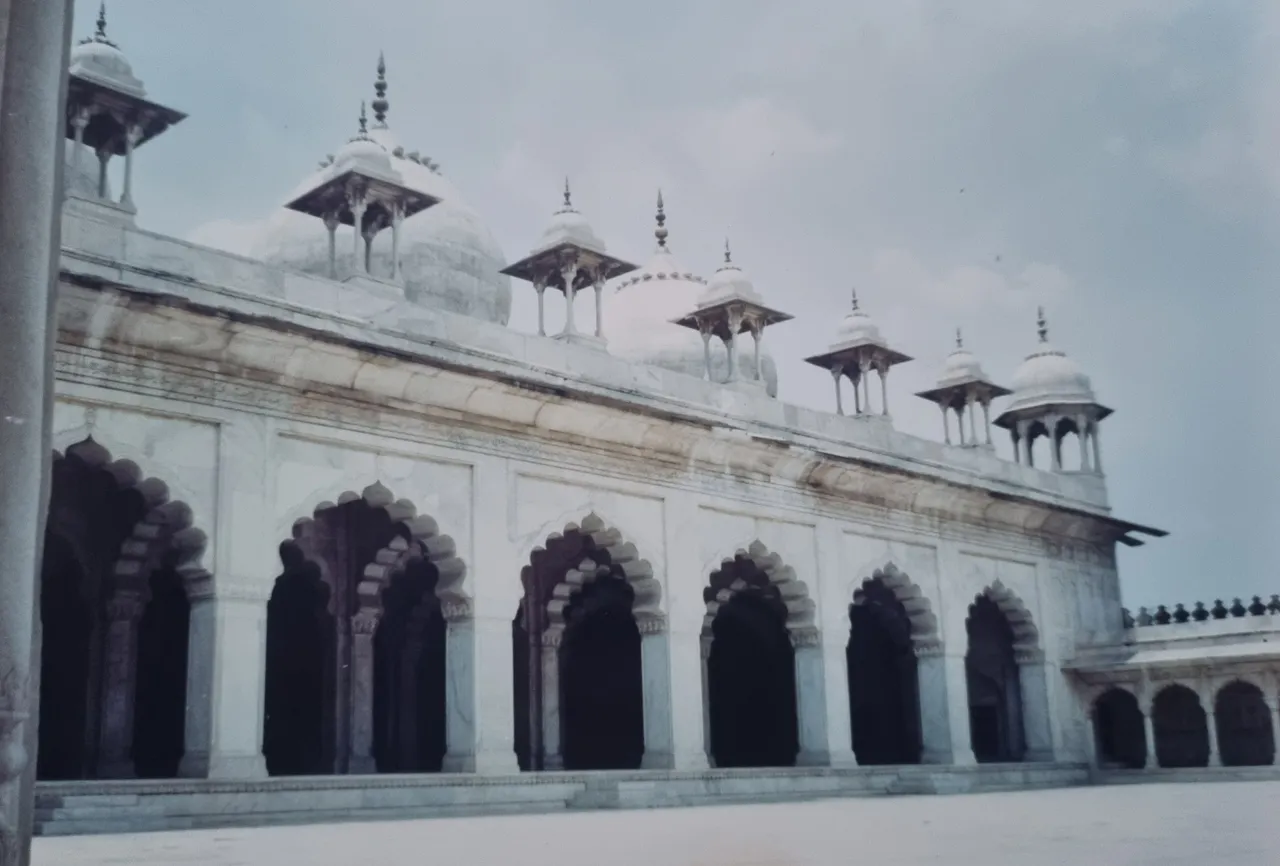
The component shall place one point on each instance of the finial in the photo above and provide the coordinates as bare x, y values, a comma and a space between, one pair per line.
380, 104
1042, 325
568, 200
661, 232
728, 256
959, 340
100, 35
364, 121
854, 294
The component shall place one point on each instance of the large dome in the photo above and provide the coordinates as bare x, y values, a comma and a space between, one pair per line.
1048, 376
449, 259
638, 321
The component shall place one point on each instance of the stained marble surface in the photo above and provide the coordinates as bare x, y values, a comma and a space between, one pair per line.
1156, 824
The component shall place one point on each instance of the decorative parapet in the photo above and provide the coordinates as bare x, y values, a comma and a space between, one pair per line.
1199, 613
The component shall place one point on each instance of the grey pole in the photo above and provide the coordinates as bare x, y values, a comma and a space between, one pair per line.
37, 37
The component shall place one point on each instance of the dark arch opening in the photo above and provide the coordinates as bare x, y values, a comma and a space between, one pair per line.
752, 683
90, 517
1245, 738
68, 625
995, 691
1181, 728
159, 721
884, 697
602, 686
1119, 730
409, 674
299, 672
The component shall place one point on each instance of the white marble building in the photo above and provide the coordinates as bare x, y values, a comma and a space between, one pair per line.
359, 525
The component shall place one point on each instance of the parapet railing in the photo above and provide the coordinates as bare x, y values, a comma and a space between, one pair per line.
1199, 613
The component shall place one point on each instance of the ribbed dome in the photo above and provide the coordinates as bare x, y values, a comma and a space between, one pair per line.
856, 327
961, 366
1049, 376
729, 281
638, 320
569, 226
449, 258
99, 59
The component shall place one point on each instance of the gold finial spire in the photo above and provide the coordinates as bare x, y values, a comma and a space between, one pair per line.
380, 103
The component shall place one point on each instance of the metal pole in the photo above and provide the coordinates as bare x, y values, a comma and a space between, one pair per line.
37, 38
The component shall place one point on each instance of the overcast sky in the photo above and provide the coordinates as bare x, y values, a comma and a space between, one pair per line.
959, 162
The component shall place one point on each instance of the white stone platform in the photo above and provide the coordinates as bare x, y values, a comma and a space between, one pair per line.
70, 808
1149, 825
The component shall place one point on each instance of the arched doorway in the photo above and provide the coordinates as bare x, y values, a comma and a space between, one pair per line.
114, 653
355, 678
409, 674
1180, 727
602, 701
994, 687
750, 671
884, 697
1119, 730
576, 653
1245, 738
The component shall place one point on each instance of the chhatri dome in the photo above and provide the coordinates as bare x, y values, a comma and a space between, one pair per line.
100, 60
961, 366
1048, 377
449, 258
638, 317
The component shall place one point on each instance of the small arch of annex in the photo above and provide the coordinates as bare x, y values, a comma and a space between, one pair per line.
122, 562
358, 640
589, 601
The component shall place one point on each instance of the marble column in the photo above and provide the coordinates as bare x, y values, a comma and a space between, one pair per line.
1097, 451
408, 710
364, 625
33, 95
331, 226
1274, 706
837, 373
227, 640
479, 700
1149, 733
944, 706
119, 686
552, 759
1037, 722
811, 702
569, 274
835, 667
1091, 737
541, 288
655, 671
131, 137
706, 353
1211, 723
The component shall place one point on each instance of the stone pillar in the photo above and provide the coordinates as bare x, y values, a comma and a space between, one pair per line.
1211, 723
33, 97
1097, 451
569, 274
986, 419
1149, 732
119, 686
706, 352
227, 641
1273, 704
1037, 722
407, 719
811, 702
552, 759
1091, 737
1017, 446
1055, 442
944, 706
756, 335
655, 672
883, 372
837, 373
331, 226
599, 287
364, 625
839, 721
478, 674
946, 424
104, 157
397, 220
731, 346
541, 288
131, 136
79, 121
358, 204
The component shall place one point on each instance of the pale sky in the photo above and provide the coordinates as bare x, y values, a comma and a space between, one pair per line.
958, 162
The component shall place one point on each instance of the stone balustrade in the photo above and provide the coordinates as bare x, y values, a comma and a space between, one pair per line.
1200, 613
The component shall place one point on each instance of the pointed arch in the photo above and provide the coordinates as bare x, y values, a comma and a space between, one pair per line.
607, 553
127, 560
421, 538
924, 623
793, 593
1026, 636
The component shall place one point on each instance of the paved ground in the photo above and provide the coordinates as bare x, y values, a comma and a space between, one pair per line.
1127, 825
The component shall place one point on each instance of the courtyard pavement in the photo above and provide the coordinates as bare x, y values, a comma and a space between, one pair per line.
1125, 825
